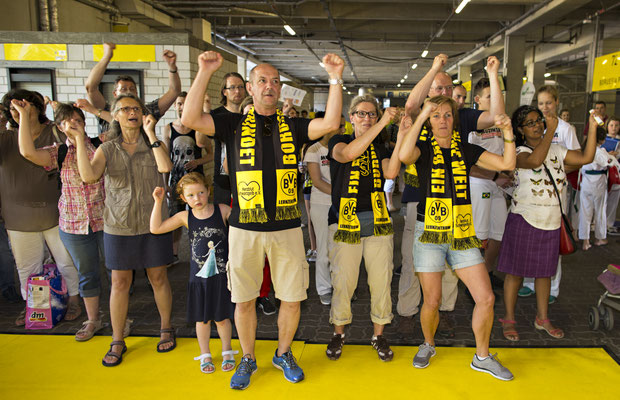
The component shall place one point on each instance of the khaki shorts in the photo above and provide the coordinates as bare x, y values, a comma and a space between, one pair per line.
287, 259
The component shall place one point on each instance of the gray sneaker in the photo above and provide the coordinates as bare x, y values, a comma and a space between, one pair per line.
326, 299
423, 357
491, 365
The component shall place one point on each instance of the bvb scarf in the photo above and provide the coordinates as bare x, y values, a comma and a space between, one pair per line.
249, 171
411, 173
448, 214
348, 223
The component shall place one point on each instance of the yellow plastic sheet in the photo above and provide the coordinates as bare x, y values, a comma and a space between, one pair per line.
127, 53
35, 52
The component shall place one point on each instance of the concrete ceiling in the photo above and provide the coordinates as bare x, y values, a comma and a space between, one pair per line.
381, 40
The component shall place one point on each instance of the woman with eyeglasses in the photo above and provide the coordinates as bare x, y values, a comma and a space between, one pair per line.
360, 223
444, 229
531, 243
133, 163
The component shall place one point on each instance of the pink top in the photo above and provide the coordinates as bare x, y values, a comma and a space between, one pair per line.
81, 204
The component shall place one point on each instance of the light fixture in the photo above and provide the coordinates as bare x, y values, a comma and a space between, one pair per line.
352, 73
424, 53
344, 88
243, 37
349, 93
604, 61
461, 6
406, 76
322, 65
290, 30
398, 85
439, 32
547, 74
525, 79
414, 66
455, 81
402, 80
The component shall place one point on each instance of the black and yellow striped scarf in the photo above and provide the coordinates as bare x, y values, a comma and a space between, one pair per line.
448, 216
349, 229
411, 173
249, 171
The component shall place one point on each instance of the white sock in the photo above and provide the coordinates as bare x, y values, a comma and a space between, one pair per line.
481, 359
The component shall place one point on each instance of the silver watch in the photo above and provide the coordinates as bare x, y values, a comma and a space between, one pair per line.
335, 81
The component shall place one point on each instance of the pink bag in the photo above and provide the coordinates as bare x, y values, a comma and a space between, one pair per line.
47, 298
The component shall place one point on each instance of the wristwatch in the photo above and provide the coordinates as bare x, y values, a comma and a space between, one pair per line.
335, 81
155, 144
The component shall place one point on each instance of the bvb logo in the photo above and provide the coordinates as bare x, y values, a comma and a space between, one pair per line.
348, 210
438, 211
288, 183
379, 203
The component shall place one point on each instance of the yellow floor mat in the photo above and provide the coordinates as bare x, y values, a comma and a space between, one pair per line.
55, 367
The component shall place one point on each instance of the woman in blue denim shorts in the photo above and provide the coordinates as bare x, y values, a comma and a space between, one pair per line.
444, 229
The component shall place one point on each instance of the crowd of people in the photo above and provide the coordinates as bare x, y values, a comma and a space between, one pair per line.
479, 188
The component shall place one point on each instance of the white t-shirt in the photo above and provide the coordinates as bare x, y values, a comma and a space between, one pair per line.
490, 139
534, 197
566, 136
317, 153
602, 161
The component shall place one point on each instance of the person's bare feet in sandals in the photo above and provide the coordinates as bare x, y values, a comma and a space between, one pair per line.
88, 330
545, 325
509, 329
167, 340
73, 309
115, 354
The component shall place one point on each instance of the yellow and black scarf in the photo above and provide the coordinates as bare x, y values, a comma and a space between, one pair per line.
448, 215
249, 171
349, 229
411, 173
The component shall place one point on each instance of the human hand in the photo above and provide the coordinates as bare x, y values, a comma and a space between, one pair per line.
492, 65
503, 180
428, 108
552, 123
23, 107
170, 57
191, 165
108, 49
334, 65
405, 123
503, 122
210, 61
158, 194
85, 105
439, 62
149, 122
389, 114
75, 132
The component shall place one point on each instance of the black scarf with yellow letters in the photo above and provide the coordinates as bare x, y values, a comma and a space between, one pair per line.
411, 173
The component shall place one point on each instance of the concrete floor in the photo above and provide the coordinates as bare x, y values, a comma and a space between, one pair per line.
579, 291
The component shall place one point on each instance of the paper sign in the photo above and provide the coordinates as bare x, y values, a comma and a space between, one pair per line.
290, 92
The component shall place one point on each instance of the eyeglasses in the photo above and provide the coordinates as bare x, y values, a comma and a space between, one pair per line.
232, 88
128, 109
363, 114
531, 124
267, 127
442, 88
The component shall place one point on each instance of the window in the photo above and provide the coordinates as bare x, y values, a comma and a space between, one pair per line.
35, 80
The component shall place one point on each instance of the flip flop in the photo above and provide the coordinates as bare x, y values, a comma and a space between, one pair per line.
172, 340
511, 335
555, 333
119, 357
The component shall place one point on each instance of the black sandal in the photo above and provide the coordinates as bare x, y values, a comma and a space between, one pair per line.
172, 340
119, 357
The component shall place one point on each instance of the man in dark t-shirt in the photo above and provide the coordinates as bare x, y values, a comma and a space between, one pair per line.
262, 148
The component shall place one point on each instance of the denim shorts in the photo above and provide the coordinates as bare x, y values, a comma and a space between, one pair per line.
430, 257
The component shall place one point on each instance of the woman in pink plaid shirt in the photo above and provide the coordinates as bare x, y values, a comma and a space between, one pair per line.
80, 206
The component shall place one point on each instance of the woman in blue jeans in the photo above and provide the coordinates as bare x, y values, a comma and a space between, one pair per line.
80, 206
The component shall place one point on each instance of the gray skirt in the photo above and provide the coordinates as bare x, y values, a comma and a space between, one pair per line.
137, 252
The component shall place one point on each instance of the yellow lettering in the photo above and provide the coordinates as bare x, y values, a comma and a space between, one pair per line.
437, 188
246, 152
247, 141
458, 168
287, 147
460, 179
289, 159
247, 161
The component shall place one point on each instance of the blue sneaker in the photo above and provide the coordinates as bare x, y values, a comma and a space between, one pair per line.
525, 292
241, 379
288, 364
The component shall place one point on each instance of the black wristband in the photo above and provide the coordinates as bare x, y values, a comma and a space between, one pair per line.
495, 176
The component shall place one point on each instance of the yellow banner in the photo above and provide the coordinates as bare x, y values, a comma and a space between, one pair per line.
606, 72
467, 85
35, 52
127, 52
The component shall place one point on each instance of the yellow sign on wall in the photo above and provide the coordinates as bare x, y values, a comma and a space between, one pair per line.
127, 53
35, 52
606, 72
467, 85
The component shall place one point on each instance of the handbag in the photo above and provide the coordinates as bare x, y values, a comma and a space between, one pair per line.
567, 240
613, 177
46, 298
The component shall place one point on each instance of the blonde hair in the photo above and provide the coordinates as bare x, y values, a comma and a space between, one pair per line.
439, 100
366, 98
192, 178
548, 89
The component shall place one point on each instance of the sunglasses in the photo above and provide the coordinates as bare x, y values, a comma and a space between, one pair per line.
267, 127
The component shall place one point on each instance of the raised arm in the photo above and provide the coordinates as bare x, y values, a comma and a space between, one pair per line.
538, 155
174, 82
156, 225
333, 109
193, 114
487, 118
90, 170
85, 105
344, 153
408, 152
96, 74
391, 166
26, 143
578, 157
507, 161
420, 90
164, 164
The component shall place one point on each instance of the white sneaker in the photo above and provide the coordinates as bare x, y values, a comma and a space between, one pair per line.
311, 256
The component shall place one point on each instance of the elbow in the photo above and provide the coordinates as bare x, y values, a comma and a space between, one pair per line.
390, 175
186, 119
165, 169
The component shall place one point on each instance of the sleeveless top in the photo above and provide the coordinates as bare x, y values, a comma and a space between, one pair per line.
203, 231
183, 149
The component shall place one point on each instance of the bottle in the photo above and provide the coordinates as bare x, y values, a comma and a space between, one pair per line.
598, 119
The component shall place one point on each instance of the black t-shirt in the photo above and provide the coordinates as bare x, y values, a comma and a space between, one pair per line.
221, 182
337, 173
468, 121
471, 153
226, 125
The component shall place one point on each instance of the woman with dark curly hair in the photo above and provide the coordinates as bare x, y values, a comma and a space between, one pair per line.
531, 242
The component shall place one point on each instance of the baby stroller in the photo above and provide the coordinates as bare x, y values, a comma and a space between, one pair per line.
603, 312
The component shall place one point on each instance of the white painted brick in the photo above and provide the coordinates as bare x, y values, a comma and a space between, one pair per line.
66, 89
61, 81
183, 65
4, 88
151, 73
73, 64
62, 97
164, 82
76, 52
154, 65
182, 53
152, 90
159, 50
184, 75
82, 73
151, 81
75, 81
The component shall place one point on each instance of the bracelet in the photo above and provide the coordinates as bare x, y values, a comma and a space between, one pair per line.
173, 72
98, 113
155, 144
495, 176
335, 81
509, 140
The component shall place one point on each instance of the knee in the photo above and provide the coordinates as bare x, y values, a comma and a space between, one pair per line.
121, 283
222, 324
290, 307
487, 300
246, 307
432, 302
158, 278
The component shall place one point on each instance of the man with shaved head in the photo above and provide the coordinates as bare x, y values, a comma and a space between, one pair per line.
262, 148
459, 94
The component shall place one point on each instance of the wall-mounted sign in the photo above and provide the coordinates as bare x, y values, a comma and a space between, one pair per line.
127, 53
606, 72
35, 52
